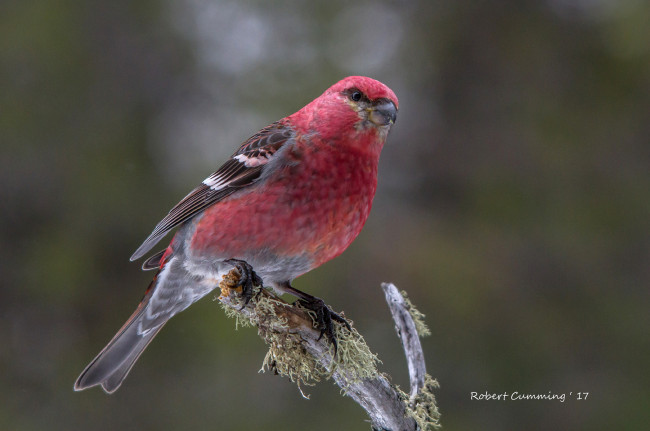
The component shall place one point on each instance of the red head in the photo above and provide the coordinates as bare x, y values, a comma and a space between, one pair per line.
354, 105
371, 88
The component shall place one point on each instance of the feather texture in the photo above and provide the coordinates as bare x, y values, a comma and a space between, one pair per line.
242, 169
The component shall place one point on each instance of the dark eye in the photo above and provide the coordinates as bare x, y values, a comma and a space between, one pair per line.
355, 95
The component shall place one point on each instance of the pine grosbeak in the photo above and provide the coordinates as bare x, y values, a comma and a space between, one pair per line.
294, 196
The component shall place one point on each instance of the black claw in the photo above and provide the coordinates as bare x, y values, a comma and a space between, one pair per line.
324, 314
324, 318
247, 279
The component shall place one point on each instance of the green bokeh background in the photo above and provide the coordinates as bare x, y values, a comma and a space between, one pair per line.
513, 204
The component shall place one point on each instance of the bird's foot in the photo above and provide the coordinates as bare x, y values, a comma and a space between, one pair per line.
324, 318
247, 279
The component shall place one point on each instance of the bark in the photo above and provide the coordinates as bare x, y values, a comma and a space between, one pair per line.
298, 351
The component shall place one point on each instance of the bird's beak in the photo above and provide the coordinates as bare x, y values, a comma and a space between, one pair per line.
383, 114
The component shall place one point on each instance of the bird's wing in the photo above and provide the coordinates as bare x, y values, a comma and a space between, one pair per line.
241, 170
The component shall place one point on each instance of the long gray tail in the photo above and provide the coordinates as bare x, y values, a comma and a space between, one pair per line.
115, 361
171, 291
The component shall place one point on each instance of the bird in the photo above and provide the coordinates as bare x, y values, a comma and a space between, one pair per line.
292, 197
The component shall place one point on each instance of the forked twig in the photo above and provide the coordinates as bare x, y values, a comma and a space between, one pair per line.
298, 352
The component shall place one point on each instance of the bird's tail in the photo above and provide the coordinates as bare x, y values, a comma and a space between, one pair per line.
115, 361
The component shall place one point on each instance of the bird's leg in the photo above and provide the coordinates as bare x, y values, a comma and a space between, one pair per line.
247, 279
324, 314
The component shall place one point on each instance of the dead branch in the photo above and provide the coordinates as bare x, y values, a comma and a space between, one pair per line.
297, 351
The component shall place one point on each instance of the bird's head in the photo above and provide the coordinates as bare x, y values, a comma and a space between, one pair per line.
375, 104
354, 105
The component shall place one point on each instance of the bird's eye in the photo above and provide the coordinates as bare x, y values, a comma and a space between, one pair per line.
355, 95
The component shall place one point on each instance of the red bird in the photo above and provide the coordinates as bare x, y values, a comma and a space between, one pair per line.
294, 196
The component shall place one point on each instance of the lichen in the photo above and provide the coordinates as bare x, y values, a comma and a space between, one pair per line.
423, 408
241, 321
288, 358
287, 355
360, 362
417, 316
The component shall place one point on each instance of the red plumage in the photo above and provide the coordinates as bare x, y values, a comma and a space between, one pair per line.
294, 196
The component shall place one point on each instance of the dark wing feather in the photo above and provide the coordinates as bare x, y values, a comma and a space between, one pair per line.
153, 262
242, 169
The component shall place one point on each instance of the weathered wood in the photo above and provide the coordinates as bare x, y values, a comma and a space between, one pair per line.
407, 332
387, 406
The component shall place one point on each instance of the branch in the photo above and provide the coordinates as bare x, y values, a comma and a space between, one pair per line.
407, 331
297, 350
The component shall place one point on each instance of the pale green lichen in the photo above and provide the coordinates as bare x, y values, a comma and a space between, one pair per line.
425, 411
417, 316
240, 319
353, 351
287, 355
423, 408
265, 312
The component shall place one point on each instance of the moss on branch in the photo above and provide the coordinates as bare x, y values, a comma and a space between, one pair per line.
297, 351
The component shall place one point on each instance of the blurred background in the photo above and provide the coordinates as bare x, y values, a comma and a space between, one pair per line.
513, 203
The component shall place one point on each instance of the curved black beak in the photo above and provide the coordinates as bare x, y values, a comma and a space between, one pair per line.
383, 113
